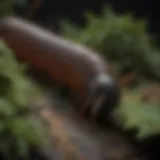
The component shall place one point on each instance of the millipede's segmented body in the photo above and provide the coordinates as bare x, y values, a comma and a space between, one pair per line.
76, 67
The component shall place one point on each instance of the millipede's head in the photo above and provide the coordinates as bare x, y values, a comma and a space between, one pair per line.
105, 95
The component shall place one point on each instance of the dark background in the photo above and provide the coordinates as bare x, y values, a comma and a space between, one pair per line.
55, 10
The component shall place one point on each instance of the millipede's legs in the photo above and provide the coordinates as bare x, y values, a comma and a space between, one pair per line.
85, 105
96, 107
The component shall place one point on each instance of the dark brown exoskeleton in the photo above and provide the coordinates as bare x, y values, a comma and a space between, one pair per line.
74, 66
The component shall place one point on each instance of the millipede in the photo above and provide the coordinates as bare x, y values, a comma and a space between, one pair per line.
83, 71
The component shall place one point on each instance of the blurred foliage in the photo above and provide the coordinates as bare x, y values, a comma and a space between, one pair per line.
121, 38
6, 7
135, 114
126, 42
18, 129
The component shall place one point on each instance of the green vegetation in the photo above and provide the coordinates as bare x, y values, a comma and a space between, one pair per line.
6, 7
135, 114
126, 43
121, 38
18, 129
